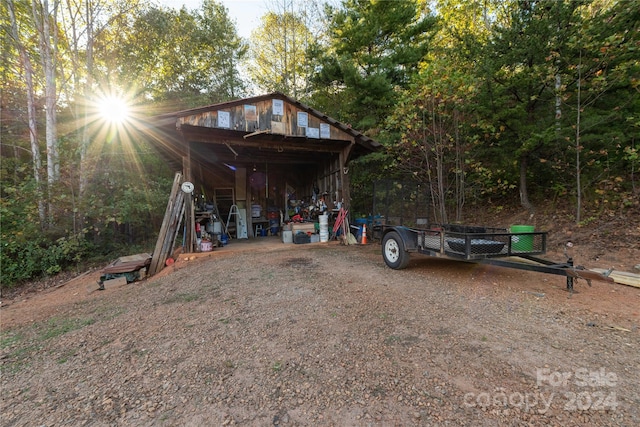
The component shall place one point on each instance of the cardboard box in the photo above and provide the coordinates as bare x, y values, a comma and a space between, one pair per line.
306, 227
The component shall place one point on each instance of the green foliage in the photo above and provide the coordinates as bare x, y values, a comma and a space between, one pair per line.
276, 60
606, 63
363, 173
28, 258
188, 57
537, 59
26, 252
112, 201
373, 49
124, 207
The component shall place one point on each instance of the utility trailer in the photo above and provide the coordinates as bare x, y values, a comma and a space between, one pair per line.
402, 224
482, 245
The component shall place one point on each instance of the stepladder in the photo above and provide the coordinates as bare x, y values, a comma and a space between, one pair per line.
240, 218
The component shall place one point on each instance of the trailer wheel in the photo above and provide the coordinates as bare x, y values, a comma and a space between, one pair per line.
393, 251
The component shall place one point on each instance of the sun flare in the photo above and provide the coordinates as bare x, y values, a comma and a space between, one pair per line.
114, 109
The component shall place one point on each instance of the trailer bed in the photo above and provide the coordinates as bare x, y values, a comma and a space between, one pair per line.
473, 242
487, 245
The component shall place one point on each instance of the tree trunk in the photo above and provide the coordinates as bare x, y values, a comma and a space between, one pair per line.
43, 19
31, 111
578, 183
459, 167
439, 153
524, 194
84, 138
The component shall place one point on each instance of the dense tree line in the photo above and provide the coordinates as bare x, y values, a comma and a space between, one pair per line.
492, 101
77, 185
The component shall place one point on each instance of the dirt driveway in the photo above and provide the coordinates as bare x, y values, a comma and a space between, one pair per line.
323, 335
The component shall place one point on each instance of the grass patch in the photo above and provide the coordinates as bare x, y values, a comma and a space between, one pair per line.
17, 358
64, 357
21, 348
391, 339
9, 339
140, 352
109, 312
384, 316
182, 297
57, 327
406, 340
214, 291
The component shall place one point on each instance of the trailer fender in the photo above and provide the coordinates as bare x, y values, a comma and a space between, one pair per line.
408, 236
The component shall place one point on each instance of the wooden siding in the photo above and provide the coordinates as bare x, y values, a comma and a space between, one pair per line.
265, 120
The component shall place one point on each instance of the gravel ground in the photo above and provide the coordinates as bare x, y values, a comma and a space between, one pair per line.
323, 335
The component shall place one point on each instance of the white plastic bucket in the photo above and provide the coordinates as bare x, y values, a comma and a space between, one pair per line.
324, 223
217, 227
287, 236
324, 235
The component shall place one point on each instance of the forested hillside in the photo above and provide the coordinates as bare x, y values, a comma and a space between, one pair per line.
492, 104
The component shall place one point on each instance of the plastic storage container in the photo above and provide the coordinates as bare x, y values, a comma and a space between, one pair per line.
301, 237
522, 242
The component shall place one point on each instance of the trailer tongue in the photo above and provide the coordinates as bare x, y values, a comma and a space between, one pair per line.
482, 245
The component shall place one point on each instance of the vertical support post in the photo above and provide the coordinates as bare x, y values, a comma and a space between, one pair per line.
189, 222
569, 278
345, 182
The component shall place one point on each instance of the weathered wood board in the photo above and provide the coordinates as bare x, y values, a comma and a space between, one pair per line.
622, 277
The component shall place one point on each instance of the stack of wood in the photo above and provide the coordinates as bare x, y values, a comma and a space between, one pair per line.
170, 227
621, 277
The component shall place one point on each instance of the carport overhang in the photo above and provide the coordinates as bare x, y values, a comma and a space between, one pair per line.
197, 149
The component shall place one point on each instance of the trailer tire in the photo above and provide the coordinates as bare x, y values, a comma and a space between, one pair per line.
394, 252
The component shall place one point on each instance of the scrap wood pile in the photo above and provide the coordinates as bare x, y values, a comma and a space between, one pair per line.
129, 267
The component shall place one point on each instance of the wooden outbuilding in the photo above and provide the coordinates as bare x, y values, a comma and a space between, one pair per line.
253, 157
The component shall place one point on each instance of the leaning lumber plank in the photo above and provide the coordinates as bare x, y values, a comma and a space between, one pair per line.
622, 277
155, 260
172, 230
